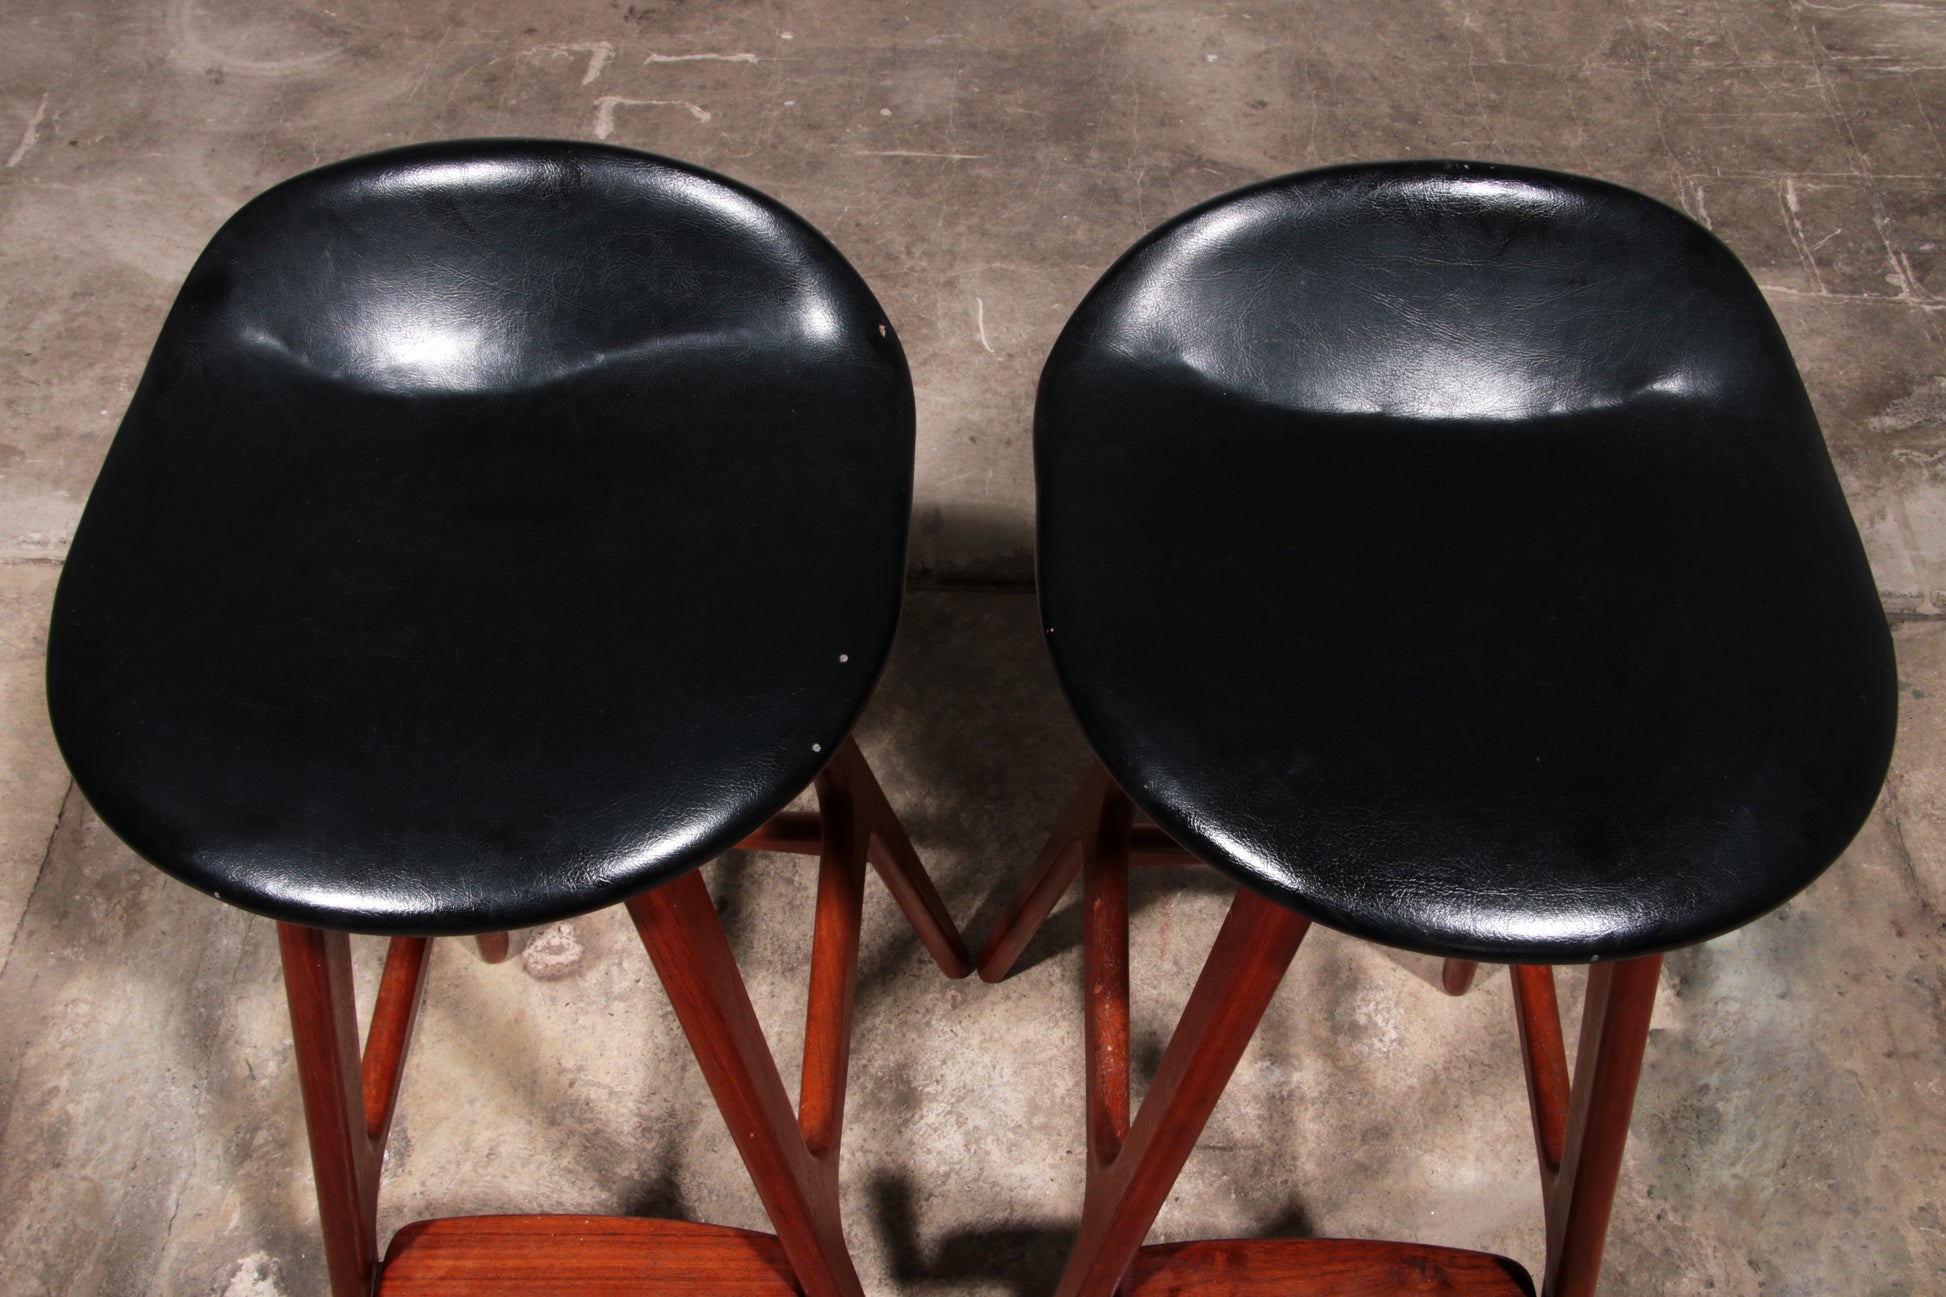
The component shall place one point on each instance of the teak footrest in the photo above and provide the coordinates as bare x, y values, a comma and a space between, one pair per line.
580, 1256
1320, 1267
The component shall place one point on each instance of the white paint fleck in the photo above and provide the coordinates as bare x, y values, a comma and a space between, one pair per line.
606, 105
742, 56
600, 55
817, 747
844, 657
786, 36
913, 153
885, 112
1793, 220
30, 136
980, 320
1209, 58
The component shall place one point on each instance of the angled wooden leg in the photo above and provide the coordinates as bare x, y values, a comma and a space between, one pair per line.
849, 776
1098, 803
1456, 975
1581, 1128
324, 1026
798, 1187
1131, 1166
1244, 967
1104, 941
1149, 845
891, 854
796, 832
834, 962
793, 1157
1537, 1012
348, 1101
1054, 871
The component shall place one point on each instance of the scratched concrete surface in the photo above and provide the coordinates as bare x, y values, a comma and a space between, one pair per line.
981, 164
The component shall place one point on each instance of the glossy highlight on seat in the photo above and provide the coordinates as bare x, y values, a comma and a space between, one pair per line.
500, 528
1449, 551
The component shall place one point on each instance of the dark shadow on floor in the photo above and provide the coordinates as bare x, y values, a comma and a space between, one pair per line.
1025, 1258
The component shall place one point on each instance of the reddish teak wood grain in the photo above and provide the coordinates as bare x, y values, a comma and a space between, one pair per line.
1320, 1267
1537, 1013
1256, 944
1105, 943
348, 1101
581, 1256
799, 1191
1607, 1066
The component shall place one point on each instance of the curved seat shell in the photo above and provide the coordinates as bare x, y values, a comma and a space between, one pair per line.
499, 529
1449, 552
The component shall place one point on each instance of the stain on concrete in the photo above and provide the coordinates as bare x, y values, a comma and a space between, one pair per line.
553, 953
256, 1276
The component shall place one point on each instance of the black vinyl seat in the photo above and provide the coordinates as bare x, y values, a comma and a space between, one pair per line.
499, 529
1449, 552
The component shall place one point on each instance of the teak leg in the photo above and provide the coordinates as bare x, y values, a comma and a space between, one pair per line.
793, 1157
1127, 1186
1131, 1166
848, 781
1456, 975
1581, 1128
1054, 871
692, 956
1097, 809
892, 856
348, 1100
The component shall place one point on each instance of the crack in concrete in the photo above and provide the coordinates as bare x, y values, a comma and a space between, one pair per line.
47, 853
31, 135
1895, 814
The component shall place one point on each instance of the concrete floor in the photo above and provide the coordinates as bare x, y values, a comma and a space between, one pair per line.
981, 164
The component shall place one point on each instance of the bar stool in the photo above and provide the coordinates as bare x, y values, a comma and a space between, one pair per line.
1448, 554
501, 530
